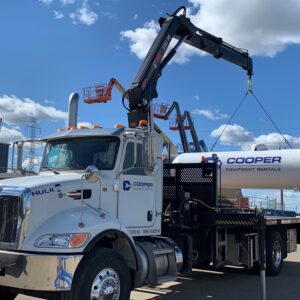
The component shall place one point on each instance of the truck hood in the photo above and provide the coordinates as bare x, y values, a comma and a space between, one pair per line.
44, 178
53, 200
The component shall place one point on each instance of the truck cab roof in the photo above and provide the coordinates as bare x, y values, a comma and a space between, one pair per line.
86, 132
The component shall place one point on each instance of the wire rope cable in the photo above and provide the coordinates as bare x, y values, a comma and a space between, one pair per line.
271, 120
250, 91
230, 119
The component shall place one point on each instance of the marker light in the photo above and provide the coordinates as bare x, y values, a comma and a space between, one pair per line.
143, 123
72, 128
78, 239
119, 126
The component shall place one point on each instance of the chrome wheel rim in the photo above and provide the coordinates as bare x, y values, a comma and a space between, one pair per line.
106, 285
277, 255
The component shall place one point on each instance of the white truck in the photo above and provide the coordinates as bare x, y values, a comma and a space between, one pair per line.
106, 215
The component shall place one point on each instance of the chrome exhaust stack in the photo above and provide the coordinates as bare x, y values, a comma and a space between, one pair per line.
73, 109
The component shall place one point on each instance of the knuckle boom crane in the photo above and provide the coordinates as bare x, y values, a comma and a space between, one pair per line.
143, 88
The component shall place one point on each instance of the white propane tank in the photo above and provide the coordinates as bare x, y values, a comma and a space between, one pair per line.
269, 169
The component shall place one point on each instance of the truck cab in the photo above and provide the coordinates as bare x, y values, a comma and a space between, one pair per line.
120, 156
95, 188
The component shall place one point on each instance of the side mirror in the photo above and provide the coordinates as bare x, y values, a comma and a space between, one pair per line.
91, 174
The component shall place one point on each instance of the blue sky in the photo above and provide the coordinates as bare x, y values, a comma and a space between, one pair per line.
50, 48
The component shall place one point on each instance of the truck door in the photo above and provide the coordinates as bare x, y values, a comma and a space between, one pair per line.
137, 190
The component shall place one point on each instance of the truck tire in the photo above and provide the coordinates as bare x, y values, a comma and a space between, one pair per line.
274, 253
7, 295
103, 272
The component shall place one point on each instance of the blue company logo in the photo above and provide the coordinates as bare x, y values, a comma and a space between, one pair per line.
126, 185
254, 160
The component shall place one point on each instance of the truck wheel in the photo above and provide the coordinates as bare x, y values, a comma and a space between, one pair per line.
102, 275
4, 294
274, 253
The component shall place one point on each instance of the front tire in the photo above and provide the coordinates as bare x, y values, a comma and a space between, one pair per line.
102, 275
274, 253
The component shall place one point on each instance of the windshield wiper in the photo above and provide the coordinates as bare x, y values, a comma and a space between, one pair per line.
52, 170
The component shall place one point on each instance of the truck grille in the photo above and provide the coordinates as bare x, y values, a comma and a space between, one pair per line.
10, 208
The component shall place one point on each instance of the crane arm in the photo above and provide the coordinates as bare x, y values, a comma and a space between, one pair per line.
143, 87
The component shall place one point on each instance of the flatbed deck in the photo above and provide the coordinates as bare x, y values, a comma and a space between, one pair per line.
275, 220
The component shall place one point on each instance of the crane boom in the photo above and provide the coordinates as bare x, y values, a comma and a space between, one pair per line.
143, 87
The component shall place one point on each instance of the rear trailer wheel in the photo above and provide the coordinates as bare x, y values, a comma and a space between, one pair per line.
7, 295
104, 275
274, 253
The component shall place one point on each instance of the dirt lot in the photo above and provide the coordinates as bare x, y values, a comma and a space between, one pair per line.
225, 284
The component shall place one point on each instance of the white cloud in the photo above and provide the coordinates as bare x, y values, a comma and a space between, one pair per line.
141, 38
135, 17
67, 2
46, 2
84, 15
16, 111
234, 135
8, 135
275, 141
263, 27
212, 114
58, 15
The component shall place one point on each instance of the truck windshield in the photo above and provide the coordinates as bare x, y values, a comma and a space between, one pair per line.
78, 153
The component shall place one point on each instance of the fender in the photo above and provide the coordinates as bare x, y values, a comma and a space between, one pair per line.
114, 234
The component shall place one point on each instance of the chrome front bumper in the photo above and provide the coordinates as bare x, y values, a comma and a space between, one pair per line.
37, 272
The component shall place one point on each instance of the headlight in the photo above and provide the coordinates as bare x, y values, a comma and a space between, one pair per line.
70, 240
